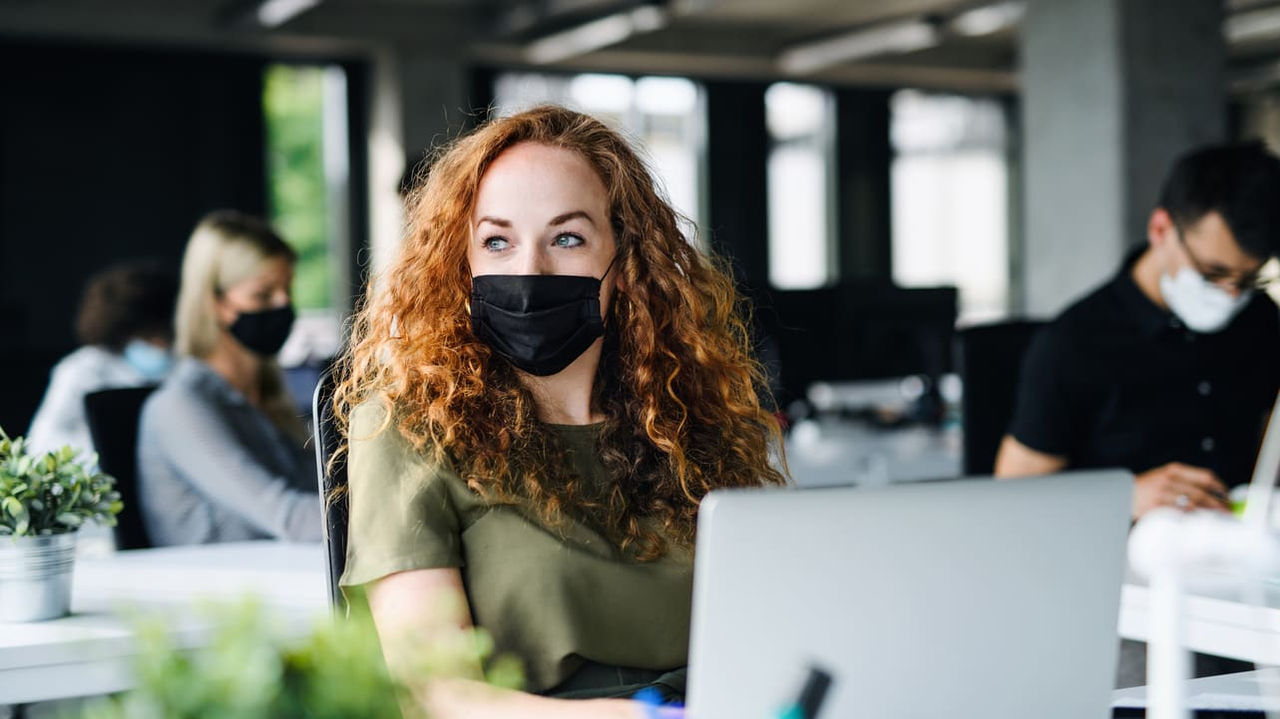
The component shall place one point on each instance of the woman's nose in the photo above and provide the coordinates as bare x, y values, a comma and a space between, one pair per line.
534, 261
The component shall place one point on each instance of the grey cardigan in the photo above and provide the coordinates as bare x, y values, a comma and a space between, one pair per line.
213, 468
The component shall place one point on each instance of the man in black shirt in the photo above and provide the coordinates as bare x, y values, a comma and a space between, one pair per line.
1171, 367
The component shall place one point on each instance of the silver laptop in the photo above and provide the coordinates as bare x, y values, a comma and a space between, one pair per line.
970, 598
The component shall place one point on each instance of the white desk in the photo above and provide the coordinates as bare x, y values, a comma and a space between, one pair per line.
833, 451
1246, 691
90, 652
1219, 622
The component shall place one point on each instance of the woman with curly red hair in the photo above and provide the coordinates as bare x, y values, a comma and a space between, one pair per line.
538, 394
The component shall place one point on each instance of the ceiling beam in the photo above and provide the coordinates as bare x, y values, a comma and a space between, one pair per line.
704, 65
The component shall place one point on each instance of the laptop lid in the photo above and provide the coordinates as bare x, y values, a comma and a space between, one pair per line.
1265, 470
966, 598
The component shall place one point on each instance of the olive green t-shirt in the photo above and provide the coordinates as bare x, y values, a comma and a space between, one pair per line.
554, 597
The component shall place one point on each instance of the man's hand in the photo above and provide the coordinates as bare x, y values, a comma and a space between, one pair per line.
1178, 485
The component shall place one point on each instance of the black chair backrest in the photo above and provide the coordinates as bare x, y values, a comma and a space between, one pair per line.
990, 362
113, 415
331, 477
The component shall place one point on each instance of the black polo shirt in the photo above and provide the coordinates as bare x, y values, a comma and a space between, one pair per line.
1116, 381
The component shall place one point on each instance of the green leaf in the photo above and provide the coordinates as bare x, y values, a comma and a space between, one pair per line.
14, 507
70, 519
49, 492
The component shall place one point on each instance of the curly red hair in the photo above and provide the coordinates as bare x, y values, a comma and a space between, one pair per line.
677, 382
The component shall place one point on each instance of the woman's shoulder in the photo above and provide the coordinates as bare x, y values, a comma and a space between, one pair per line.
95, 367
370, 417
88, 357
188, 390
375, 439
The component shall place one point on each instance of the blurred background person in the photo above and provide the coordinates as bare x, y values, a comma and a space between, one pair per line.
220, 447
1169, 369
125, 325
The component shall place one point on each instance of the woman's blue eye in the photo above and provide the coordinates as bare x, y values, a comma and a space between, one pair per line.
568, 240
495, 244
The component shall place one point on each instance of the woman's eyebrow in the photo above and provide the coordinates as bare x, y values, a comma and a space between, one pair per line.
561, 219
557, 220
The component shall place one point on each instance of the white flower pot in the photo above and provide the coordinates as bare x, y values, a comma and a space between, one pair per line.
35, 577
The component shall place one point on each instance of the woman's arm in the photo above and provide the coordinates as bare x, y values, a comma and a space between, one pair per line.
195, 437
428, 608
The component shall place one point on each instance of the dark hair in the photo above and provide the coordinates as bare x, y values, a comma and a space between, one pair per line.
124, 301
1241, 182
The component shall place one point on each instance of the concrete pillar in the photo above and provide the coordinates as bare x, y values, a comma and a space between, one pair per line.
386, 161
1112, 92
436, 104
420, 100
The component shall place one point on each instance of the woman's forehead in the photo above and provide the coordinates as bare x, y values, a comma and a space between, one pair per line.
266, 272
534, 174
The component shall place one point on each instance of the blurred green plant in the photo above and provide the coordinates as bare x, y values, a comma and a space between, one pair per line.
250, 671
293, 102
52, 493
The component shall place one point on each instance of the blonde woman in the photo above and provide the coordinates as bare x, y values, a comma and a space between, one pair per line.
220, 449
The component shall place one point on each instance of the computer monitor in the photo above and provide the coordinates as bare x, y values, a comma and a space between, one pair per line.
861, 330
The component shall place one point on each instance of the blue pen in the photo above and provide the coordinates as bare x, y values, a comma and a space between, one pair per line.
654, 708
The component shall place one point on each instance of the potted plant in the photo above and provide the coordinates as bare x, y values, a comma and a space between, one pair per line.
44, 499
249, 670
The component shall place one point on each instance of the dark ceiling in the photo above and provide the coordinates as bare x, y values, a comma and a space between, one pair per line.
704, 37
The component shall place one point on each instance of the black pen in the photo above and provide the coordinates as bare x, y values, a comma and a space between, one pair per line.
811, 697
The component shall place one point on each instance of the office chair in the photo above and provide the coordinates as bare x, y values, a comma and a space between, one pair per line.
990, 360
333, 506
113, 416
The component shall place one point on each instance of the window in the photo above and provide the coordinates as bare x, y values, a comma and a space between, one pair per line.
950, 198
665, 117
307, 183
801, 123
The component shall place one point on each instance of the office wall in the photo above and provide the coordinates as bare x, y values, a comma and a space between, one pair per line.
108, 154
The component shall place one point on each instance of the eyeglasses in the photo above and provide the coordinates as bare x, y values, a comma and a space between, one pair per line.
1260, 279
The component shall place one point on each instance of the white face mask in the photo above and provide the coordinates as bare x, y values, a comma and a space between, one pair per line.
1200, 304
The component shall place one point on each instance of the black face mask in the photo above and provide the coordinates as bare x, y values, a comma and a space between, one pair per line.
540, 323
263, 332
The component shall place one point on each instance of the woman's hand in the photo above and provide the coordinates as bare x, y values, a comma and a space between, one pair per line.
449, 698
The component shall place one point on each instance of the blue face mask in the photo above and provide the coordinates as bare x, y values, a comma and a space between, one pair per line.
150, 361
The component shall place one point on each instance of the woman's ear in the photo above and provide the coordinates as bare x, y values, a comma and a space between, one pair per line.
223, 312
